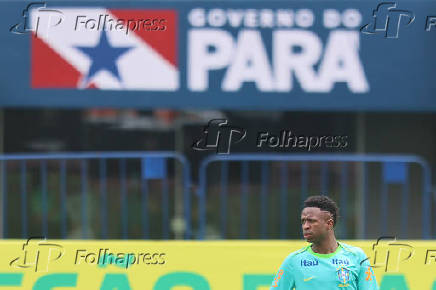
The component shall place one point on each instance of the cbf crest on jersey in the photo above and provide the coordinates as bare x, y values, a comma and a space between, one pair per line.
108, 49
343, 276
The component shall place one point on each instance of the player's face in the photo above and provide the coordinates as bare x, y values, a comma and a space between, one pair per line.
315, 223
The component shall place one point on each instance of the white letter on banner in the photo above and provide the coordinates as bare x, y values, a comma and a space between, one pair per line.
196, 17
351, 18
266, 18
201, 60
235, 17
332, 18
341, 63
302, 62
217, 17
250, 63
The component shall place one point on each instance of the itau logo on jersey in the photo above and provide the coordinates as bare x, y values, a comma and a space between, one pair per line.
108, 49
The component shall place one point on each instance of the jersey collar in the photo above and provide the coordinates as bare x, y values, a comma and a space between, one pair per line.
338, 249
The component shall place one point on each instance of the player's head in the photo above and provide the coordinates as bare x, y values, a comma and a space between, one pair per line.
318, 218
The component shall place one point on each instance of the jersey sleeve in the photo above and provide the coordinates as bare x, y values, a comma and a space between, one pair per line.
284, 279
367, 279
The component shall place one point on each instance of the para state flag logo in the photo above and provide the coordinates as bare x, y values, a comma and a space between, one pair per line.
107, 49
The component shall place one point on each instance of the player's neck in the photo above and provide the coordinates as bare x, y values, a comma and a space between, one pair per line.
327, 246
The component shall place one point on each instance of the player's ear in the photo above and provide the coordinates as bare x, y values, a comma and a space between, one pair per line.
331, 223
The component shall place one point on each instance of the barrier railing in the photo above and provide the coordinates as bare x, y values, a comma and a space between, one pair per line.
395, 170
20, 172
153, 165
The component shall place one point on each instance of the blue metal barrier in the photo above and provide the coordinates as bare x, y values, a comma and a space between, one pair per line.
395, 170
84, 159
392, 174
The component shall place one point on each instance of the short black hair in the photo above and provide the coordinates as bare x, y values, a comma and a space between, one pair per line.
323, 203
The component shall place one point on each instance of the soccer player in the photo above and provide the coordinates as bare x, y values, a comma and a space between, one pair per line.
325, 263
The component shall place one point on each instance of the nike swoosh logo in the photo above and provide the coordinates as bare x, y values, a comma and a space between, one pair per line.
308, 279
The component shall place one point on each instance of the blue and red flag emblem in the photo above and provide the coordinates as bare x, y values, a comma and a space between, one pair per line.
108, 49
